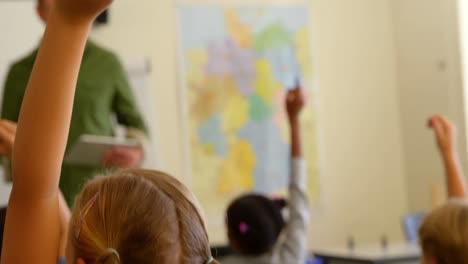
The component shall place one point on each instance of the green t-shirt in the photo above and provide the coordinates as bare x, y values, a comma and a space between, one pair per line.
102, 91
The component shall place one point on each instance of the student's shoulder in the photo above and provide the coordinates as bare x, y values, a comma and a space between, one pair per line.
103, 54
24, 65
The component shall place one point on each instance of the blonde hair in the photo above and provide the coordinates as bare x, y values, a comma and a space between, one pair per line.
444, 233
145, 216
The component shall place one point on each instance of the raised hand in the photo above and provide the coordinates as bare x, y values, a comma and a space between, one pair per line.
81, 11
7, 137
294, 102
446, 133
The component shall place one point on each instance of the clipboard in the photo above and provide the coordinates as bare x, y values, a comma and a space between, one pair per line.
90, 149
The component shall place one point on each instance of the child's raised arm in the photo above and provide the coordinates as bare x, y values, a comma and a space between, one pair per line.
33, 225
294, 105
294, 248
446, 136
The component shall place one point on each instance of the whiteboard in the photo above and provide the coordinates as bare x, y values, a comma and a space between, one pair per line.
139, 74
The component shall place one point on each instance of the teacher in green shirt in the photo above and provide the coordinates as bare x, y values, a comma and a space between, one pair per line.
102, 92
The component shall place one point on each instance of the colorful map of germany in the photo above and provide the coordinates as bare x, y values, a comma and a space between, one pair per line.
237, 65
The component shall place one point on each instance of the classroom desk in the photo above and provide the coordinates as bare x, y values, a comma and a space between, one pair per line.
394, 254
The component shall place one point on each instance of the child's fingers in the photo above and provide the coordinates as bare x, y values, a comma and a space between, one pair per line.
430, 122
7, 129
434, 119
5, 133
6, 141
446, 124
438, 128
300, 96
290, 96
10, 126
297, 92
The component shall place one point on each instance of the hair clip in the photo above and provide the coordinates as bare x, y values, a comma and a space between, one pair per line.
114, 252
83, 214
243, 228
211, 260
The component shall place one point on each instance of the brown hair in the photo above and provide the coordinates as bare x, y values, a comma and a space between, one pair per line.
444, 233
146, 216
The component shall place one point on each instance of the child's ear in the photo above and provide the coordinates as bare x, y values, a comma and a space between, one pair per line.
81, 261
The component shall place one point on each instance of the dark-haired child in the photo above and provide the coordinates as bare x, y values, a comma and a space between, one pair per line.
257, 230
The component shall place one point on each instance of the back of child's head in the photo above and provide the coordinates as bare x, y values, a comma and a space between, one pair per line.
444, 233
138, 216
255, 223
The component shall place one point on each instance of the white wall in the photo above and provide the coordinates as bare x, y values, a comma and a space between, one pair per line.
463, 50
365, 192
426, 33
364, 188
